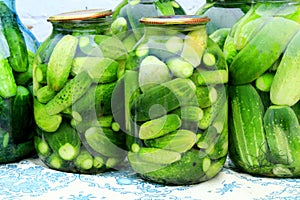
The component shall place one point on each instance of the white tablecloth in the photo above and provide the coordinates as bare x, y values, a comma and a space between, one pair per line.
28, 179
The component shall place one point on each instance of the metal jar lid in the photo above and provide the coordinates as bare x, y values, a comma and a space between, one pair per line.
175, 19
80, 15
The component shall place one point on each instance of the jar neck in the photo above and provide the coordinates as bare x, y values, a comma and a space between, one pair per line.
229, 1
170, 30
10, 4
135, 2
95, 26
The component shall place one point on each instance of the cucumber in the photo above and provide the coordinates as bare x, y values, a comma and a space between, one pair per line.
285, 88
18, 58
246, 128
101, 70
188, 170
8, 86
163, 98
60, 62
111, 47
158, 156
140, 166
14, 153
96, 140
219, 36
159, 127
65, 142
21, 115
69, 94
259, 53
283, 135
45, 94
179, 141
194, 46
46, 122
150, 65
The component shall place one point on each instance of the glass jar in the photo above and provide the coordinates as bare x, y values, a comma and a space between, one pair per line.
17, 48
223, 15
74, 74
173, 105
263, 52
128, 13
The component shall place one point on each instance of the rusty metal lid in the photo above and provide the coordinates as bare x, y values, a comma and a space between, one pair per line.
80, 15
175, 19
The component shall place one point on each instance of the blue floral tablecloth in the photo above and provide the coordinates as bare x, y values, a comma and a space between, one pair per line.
29, 179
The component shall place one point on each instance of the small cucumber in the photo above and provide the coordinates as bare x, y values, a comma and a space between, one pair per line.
97, 141
8, 86
179, 141
21, 116
70, 93
65, 142
18, 58
159, 127
44, 121
282, 134
285, 88
158, 156
60, 62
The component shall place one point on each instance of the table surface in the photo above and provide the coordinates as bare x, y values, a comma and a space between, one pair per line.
29, 179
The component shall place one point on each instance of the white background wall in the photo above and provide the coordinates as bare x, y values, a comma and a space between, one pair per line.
34, 13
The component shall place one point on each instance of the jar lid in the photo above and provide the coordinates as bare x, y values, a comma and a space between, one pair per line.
81, 15
175, 19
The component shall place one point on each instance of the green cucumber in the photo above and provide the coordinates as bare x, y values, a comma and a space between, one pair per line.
152, 65
101, 70
65, 142
41, 146
46, 122
60, 62
179, 67
45, 94
285, 88
219, 36
97, 141
163, 98
159, 127
188, 170
246, 127
18, 58
8, 86
69, 94
21, 116
111, 47
14, 153
282, 134
158, 156
260, 53
179, 141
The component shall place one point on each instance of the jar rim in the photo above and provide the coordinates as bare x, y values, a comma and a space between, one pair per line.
175, 19
80, 15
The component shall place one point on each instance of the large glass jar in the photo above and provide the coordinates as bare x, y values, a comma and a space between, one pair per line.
17, 48
74, 74
223, 15
128, 13
263, 52
173, 103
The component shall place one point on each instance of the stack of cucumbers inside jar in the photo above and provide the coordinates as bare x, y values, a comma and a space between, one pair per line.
152, 87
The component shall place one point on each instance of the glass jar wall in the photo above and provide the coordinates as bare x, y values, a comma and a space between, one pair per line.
172, 103
17, 48
74, 74
263, 52
223, 15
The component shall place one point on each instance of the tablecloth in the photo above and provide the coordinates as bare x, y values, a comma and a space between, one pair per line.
29, 179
